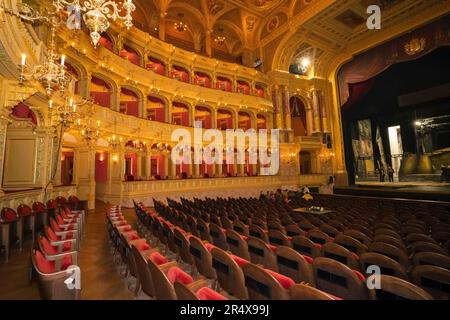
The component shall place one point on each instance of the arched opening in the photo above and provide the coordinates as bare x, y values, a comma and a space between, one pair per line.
131, 55
75, 84
224, 84
156, 66
260, 91
67, 162
156, 109
224, 119
131, 166
129, 102
298, 114
157, 167
202, 79
261, 122
100, 92
180, 74
106, 42
244, 121
243, 87
305, 162
180, 114
203, 114
101, 166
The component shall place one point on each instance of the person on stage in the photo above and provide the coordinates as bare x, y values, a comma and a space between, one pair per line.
390, 172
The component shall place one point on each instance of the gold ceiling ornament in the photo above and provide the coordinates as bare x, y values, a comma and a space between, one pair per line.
96, 14
415, 45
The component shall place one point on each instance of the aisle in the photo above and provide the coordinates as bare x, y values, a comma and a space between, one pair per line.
100, 279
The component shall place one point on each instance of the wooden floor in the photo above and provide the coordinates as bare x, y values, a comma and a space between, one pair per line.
100, 278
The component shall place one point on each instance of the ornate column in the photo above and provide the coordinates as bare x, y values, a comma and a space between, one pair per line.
139, 165
115, 102
84, 85
287, 115
167, 166
315, 110
208, 42
323, 112
277, 108
86, 174
114, 184
162, 26
148, 169
214, 118
3, 127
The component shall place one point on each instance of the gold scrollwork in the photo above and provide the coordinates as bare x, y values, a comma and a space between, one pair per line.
415, 45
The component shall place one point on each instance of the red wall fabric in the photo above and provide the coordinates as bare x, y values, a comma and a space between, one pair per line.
180, 73
156, 65
133, 158
259, 92
22, 111
101, 167
132, 107
224, 84
101, 98
106, 42
243, 87
202, 79
161, 166
131, 55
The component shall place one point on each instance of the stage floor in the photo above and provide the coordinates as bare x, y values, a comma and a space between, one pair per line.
434, 191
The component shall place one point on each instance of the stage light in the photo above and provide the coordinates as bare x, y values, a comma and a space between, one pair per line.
418, 123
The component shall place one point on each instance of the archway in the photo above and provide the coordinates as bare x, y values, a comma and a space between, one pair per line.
156, 109
180, 114
298, 114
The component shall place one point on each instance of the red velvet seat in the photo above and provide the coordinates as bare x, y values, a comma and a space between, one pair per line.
176, 274
286, 282
158, 258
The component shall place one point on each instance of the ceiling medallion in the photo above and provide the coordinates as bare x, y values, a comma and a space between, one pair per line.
415, 45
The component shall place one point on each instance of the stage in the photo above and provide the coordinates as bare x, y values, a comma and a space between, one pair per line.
408, 190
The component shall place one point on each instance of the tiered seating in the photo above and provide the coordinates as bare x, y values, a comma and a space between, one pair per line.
54, 256
155, 274
237, 276
338, 247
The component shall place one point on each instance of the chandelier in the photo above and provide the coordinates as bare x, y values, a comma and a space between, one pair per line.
72, 109
89, 132
161, 147
114, 142
180, 25
97, 14
220, 39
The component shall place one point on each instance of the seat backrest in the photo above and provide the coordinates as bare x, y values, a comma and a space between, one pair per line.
258, 232
240, 227
415, 237
329, 230
261, 285
441, 237
167, 232
387, 265
435, 280
278, 238
229, 275
351, 244
164, 289
218, 236
60, 200
390, 240
294, 265
143, 272
319, 237
396, 253
8, 215
432, 259
202, 258
306, 225
293, 230
23, 210
422, 246
38, 207
306, 292
305, 246
338, 279
393, 288
339, 253
183, 245
52, 204
237, 244
226, 223
261, 254
358, 235
203, 230
184, 293
361, 228
388, 232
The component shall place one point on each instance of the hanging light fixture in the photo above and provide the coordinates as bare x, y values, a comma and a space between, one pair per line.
180, 25
220, 38
72, 109
88, 131
97, 14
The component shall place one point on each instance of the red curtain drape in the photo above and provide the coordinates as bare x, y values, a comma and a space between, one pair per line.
102, 98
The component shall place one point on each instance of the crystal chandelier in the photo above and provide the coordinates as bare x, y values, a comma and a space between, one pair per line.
72, 109
114, 142
220, 38
97, 14
180, 25
89, 132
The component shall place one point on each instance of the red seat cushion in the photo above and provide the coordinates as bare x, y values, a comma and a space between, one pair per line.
158, 258
209, 246
176, 274
67, 246
42, 264
131, 236
240, 262
309, 259
143, 246
359, 275
206, 293
66, 262
48, 248
9, 215
318, 246
285, 282
273, 248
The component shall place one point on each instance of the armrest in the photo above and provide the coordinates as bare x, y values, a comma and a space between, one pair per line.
166, 266
64, 234
137, 241
197, 285
58, 258
60, 244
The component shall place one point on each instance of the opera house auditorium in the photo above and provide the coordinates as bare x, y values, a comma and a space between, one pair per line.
225, 150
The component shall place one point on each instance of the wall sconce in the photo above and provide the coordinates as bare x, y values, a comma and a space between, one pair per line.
101, 158
115, 158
